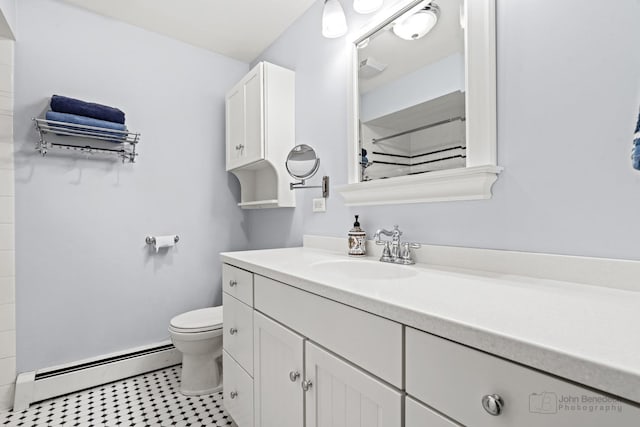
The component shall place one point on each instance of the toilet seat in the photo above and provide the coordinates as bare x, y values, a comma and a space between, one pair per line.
202, 320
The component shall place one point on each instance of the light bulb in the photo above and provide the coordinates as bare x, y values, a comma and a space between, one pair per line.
417, 25
334, 23
367, 6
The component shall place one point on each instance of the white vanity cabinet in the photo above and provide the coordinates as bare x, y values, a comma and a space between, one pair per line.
340, 394
317, 362
278, 374
260, 131
237, 343
481, 390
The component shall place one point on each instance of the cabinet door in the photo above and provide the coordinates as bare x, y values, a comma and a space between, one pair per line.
235, 135
254, 116
418, 415
465, 384
238, 392
277, 372
245, 120
237, 333
341, 395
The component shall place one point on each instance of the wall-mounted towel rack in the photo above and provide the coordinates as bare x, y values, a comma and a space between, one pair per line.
107, 141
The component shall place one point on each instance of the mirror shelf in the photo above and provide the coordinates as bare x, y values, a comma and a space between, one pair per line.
470, 183
479, 152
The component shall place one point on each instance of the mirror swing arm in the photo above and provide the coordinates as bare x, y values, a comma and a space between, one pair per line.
302, 163
472, 182
301, 184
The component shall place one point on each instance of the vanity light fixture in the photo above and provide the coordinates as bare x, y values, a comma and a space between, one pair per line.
418, 24
334, 22
367, 6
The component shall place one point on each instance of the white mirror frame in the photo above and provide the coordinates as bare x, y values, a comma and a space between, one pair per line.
470, 183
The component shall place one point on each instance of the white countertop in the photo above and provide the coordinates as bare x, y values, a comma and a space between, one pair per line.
588, 334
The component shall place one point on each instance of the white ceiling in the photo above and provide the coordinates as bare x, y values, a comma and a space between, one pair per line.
240, 29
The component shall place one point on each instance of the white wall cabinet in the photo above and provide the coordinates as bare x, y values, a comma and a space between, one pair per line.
260, 131
245, 120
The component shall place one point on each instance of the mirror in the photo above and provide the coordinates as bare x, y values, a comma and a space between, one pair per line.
422, 123
411, 90
302, 163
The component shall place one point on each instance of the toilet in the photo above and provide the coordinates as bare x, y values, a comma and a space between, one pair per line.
197, 335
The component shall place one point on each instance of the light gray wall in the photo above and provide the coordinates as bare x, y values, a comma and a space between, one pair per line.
568, 91
87, 284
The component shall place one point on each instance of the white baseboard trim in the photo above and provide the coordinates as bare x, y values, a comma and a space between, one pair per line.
56, 381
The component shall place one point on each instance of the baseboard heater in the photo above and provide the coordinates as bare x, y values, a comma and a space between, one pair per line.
56, 381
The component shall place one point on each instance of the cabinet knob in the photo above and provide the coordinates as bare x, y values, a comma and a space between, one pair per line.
306, 385
233, 394
239, 147
294, 375
233, 283
493, 404
233, 331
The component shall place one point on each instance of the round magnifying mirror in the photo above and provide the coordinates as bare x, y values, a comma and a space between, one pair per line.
302, 162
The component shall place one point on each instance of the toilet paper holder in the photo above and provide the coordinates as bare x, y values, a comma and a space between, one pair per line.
151, 240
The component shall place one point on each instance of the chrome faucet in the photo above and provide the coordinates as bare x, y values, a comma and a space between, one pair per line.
394, 251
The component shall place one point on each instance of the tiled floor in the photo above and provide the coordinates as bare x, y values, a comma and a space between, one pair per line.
151, 400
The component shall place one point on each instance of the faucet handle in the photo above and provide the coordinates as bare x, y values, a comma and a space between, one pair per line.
386, 252
405, 254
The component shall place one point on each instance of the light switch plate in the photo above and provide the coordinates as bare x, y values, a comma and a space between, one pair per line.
320, 205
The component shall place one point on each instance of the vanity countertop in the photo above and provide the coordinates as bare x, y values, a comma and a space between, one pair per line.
587, 334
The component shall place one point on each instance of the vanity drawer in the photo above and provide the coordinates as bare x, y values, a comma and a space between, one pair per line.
238, 282
418, 415
238, 392
371, 342
237, 335
454, 379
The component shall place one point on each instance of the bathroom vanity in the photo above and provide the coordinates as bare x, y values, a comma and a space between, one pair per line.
314, 338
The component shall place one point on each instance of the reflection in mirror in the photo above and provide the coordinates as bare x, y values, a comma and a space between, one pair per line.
302, 163
411, 87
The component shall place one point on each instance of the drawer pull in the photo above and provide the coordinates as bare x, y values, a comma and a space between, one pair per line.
233, 283
306, 385
233, 331
294, 375
233, 394
493, 404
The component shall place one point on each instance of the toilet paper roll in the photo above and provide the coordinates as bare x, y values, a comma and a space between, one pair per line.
164, 242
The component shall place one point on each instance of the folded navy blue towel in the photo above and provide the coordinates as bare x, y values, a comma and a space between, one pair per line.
87, 121
62, 104
635, 153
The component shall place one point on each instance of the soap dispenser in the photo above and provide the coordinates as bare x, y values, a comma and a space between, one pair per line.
357, 240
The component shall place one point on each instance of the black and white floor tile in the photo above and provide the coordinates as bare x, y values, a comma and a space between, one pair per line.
151, 399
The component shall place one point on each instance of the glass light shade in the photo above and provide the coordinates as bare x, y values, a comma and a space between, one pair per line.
334, 23
367, 6
417, 25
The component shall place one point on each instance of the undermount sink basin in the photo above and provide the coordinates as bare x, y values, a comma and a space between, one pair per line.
363, 269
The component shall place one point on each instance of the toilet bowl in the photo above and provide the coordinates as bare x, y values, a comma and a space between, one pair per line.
197, 335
